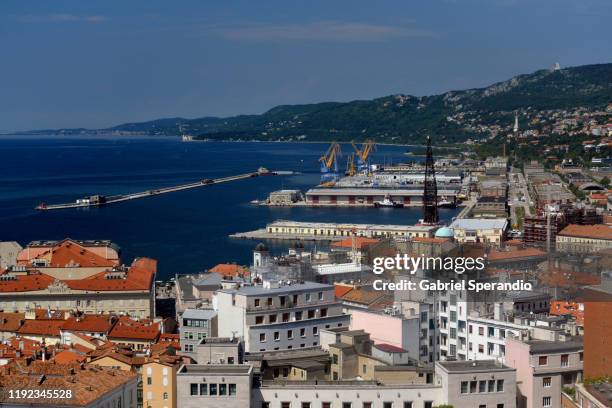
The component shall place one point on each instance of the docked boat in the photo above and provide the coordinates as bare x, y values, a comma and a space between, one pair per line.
444, 203
387, 203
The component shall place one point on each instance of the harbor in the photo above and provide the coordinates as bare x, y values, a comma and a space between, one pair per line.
100, 200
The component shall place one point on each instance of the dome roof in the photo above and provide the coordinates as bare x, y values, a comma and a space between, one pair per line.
444, 232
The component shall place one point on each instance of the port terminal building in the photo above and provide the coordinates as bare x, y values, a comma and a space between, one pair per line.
367, 196
310, 229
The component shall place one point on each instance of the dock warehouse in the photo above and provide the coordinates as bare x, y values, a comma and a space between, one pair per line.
368, 196
296, 228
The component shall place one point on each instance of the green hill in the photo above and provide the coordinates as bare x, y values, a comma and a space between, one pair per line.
402, 118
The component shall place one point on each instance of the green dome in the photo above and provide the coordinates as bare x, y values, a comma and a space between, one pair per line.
444, 232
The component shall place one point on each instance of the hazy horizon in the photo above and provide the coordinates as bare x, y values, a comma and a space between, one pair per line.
98, 64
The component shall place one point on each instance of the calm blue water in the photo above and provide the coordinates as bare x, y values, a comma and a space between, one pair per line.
186, 231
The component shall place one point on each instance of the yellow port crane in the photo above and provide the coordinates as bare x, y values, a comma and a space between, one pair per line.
329, 164
351, 170
364, 153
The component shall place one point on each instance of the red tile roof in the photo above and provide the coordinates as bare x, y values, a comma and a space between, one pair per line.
360, 242
49, 328
127, 328
10, 322
26, 283
69, 356
88, 383
341, 290
597, 231
514, 252
139, 276
69, 253
559, 307
90, 323
230, 270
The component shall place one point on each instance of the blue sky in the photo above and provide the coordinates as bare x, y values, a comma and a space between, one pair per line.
100, 63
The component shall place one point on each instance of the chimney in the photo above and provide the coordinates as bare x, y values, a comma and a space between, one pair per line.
498, 309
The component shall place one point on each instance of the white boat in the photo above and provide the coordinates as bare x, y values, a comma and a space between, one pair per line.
387, 203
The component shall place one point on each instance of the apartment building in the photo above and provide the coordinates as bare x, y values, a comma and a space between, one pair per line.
279, 315
195, 325
543, 367
481, 384
218, 386
206, 386
159, 381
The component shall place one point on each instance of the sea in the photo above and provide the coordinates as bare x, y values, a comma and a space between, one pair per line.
186, 231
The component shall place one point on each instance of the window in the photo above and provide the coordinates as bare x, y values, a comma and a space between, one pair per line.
295, 300
470, 329
212, 389
481, 348
165, 395
367, 405
285, 317
473, 385
407, 404
320, 295
387, 404
232, 389
262, 337
547, 382
543, 360
464, 387
315, 331
308, 297
365, 368
453, 316
285, 404
346, 404
298, 315
290, 334
203, 389
482, 406
272, 318
230, 360
428, 404
481, 331
482, 386
324, 312
502, 333
500, 385
326, 405
564, 360
276, 336
302, 332
334, 359
259, 319
149, 381
491, 331
581, 356
256, 302
311, 314
269, 301
500, 405
491, 386
546, 401
194, 389
222, 389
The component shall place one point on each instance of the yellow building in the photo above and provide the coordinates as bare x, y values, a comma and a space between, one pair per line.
159, 382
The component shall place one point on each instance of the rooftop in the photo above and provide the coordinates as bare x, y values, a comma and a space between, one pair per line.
293, 287
212, 369
88, 383
388, 348
203, 314
543, 346
479, 224
473, 366
598, 231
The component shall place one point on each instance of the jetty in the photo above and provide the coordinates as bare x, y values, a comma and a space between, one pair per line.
100, 200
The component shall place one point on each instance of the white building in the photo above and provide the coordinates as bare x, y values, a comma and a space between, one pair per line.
279, 315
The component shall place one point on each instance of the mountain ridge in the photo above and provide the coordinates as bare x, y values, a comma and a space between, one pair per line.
397, 118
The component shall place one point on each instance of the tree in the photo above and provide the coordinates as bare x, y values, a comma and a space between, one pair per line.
605, 182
